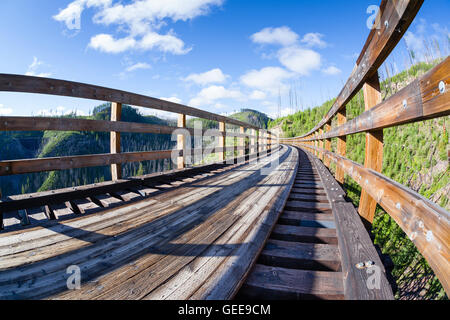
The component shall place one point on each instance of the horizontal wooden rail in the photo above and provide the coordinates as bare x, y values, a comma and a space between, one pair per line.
425, 98
395, 18
28, 84
70, 124
71, 162
73, 124
425, 223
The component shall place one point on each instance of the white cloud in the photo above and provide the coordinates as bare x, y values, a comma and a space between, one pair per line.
258, 95
301, 61
209, 95
314, 40
33, 69
165, 43
212, 76
71, 15
172, 99
107, 43
138, 66
5, 111
283, 36
332, 71
267, 79
140, 20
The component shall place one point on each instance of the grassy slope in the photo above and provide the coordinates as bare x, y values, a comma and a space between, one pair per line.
415, 155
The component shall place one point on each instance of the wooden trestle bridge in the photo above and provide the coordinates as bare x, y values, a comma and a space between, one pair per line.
224, 230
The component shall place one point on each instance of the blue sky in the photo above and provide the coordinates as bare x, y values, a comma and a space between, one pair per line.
216, 55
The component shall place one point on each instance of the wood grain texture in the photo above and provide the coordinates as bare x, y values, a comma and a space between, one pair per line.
374, 147
380, 43
28, 84
355, 247
132, 250
418, 101
62, 163
116, 114
181, 141
424, 222
341, 145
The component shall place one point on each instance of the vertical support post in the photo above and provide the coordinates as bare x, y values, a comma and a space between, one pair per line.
341, 145
374, 147
321, 145
241, 143
253, 147
259, 141
116, 169
327, 160
222, 129
316, 144
181, 141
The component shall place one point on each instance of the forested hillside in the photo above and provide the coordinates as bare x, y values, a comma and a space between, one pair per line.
252, 117
415, 155
28, 145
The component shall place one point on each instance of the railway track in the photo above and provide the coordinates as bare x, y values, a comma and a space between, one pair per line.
301, 259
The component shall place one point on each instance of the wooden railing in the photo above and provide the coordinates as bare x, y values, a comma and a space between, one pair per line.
37, 85
425, 223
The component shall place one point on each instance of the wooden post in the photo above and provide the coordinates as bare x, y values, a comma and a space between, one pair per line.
341, 146
259, 141
327, 159
241, 143
116, 112
253, 147
374, 147
321, 144
181, 141
222, 129
316, 144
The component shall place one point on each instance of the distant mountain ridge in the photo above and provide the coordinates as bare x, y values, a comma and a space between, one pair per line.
29, 145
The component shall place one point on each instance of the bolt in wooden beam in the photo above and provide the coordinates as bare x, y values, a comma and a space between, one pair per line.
116, 169
181, 141
341, 145
374, 147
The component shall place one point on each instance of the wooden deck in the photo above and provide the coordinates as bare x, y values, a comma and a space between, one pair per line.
316, 245
195, 241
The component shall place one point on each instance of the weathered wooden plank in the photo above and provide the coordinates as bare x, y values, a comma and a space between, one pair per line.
425, 223
341, 144
420, 100
28, 84
395, 17
181, 141
71, 124
12, 167
304, 234
356, 247
374, 147
116, 114
306, 256
282, 283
